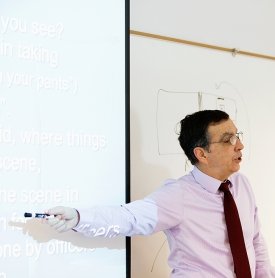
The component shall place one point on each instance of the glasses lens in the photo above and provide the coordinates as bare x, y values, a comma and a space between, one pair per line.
240, 135
234, 138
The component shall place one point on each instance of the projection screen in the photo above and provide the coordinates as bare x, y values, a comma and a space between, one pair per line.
62, 133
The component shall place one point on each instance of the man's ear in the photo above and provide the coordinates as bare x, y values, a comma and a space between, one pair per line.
200, 154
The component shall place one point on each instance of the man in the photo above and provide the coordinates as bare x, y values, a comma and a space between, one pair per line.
191, 210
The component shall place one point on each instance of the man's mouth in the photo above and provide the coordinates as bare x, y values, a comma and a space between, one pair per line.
239, 158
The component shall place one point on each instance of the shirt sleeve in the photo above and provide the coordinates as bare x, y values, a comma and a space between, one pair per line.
263, 266
157, 212
136, 218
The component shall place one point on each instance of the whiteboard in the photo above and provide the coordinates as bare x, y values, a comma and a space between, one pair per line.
170, 80
62, 128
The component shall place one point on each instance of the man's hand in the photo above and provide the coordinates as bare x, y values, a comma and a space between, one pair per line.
65, 219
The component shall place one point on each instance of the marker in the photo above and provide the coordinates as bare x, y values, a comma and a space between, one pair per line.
38, 215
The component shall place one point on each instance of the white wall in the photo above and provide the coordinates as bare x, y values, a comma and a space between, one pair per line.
245, 24
155, 65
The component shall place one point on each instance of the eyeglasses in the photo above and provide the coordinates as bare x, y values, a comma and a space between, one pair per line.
230, 139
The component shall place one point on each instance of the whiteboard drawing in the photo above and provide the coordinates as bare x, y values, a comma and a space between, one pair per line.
174, 106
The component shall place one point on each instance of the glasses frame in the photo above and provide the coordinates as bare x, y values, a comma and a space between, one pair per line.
232, 140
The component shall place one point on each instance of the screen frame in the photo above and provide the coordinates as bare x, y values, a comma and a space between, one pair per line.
127, 128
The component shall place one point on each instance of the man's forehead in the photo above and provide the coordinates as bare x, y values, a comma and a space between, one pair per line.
222, 127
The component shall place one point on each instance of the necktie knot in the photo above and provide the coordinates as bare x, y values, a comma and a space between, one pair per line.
225, 186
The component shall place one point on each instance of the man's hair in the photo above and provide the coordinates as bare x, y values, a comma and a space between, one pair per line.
194, 130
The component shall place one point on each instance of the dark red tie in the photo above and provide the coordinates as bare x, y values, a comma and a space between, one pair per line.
235, 234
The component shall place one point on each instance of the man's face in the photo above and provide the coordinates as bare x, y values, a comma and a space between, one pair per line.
223, 158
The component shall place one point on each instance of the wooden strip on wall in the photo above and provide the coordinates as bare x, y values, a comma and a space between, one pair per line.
233, 51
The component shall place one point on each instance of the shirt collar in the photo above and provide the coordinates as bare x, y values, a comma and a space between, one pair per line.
208, 183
